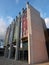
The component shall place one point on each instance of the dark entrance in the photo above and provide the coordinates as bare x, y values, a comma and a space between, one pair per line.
47, 45
23, 52
13, 53
26, 55
23, 55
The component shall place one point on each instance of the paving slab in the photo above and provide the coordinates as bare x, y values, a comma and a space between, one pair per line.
6, 61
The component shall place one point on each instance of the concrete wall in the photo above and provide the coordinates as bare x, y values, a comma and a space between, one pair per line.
36, 40
7, 36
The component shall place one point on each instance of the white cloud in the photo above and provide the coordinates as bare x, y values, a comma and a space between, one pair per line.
43, 15
47, 22
17, 1
3, 27
10, 19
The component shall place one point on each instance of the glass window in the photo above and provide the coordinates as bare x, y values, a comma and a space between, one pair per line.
25, 45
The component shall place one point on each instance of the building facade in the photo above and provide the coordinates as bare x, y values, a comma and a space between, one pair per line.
27, 37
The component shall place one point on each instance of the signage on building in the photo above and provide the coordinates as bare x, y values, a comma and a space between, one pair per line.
24, 25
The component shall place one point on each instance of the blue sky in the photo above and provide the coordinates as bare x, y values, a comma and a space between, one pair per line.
12, 7
9, 9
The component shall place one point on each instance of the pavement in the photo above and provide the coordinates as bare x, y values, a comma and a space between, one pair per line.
6, 61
